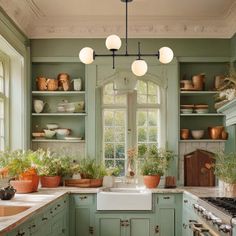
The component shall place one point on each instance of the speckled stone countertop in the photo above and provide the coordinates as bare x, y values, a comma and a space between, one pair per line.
43, 197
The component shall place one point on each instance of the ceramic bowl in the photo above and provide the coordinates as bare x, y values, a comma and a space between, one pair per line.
49, 133
52, 126
197, 134
186, 111
79, 106
201, 111
62, 133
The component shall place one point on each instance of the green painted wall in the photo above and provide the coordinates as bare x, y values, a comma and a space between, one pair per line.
233, 48
181, 47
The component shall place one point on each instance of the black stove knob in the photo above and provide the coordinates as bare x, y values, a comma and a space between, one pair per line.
217, 221
225, 228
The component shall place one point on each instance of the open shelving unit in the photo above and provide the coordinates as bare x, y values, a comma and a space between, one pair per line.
196, 121
76, 122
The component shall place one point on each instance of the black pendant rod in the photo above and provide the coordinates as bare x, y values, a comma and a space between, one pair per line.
128, 55
126, 27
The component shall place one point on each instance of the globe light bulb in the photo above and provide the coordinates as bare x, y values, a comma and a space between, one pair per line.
113, 42
165, 55
139, 67
86, 55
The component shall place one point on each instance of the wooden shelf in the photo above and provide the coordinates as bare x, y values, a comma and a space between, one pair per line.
190, 93
202, 140
57, 93
59, 114
205, 114
56, 141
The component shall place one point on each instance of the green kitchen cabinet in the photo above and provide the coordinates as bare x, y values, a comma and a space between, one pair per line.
126, 224
107, 225
51, 220
82, 210
168, 214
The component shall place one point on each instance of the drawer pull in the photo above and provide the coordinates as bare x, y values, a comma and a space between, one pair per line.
44, 218
185, 201
166, 198
58, 205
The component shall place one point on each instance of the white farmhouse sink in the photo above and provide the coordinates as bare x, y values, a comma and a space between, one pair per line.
120, 199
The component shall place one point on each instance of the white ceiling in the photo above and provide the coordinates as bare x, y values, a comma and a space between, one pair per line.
147, 18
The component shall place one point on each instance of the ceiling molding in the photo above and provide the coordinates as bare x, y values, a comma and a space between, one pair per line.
36, 24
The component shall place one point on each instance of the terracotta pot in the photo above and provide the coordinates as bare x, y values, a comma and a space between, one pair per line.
22, 186
184, 133
52, 84
186, 84
224, 135
34, 179
50, 181
219, 81
64, 81
198, 81
151, 181
215, 132
41, 83
96, 182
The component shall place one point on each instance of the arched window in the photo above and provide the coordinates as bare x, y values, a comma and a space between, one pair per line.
130, 120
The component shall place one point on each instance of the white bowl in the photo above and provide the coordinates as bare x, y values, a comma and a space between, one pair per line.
187, 111
52, 126
197, 134
201, 111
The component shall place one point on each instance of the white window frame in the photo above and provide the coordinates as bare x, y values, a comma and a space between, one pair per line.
132, 107
5, 96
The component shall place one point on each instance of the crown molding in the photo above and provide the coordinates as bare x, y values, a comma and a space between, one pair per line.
35, 24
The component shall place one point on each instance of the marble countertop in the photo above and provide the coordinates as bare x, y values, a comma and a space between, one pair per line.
44, 196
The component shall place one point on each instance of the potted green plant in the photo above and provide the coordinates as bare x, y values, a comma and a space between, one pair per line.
225, 170
50, 168
92, 172
19, 166
154, 165
111, 173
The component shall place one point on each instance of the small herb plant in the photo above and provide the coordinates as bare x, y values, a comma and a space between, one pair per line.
225, 167
90, 169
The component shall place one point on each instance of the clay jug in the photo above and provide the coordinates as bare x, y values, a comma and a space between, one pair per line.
198, 81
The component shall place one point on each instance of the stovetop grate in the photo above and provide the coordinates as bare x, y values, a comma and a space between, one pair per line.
225, 204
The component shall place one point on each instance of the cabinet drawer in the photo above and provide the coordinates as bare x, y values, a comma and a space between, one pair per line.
83, 199
165, 199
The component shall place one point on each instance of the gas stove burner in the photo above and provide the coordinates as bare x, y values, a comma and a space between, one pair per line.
225, 204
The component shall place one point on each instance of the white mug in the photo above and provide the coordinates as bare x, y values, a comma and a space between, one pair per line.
77, 84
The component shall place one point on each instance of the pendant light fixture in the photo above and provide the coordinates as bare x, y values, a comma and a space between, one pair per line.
113, 43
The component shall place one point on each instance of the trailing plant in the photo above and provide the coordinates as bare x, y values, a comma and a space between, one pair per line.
225, 167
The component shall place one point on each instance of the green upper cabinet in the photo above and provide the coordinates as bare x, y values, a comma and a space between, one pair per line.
57, 105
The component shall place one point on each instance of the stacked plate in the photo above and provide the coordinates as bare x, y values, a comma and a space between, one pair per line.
201, 108
186, 109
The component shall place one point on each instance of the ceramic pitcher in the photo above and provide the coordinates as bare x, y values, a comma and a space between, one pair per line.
39, 105
77, 84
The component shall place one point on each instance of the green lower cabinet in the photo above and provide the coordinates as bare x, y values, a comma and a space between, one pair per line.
50, 221
141, 225
125, 224
107, 225
166, 222
82, 211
